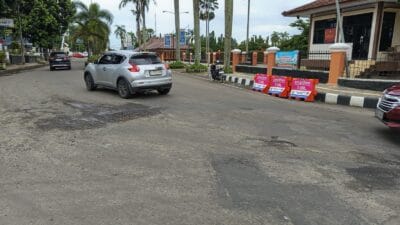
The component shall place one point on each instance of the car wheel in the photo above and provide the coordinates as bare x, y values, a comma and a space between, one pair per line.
164, 91
69, 68
90, 85
123, 89
51, 68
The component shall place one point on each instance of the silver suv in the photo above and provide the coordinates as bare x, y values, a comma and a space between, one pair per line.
129, 72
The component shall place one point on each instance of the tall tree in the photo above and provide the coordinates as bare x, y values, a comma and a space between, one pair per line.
228, 33
177, 31
196, 31
120, 32
133, 39
137, 12
299, 41
41, 21
207, 14
93, 26
144, 7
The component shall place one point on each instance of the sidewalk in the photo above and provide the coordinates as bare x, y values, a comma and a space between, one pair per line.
326, 93
13, 69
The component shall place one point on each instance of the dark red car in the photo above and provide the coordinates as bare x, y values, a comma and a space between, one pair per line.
388, 109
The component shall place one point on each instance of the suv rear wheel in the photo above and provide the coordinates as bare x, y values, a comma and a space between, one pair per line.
123, 89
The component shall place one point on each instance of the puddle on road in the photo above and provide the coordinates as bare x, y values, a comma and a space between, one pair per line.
90, 116
376, 178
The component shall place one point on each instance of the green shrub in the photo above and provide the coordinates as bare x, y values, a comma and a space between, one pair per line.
196, 68
177, 65
228, 70
93, 58
2, 57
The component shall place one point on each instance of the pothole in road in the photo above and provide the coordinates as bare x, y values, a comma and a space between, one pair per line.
90, 115
379, 178
376, 158
274, 141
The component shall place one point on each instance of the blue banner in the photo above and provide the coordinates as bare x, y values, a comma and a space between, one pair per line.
182, 38
289, 59
167, 41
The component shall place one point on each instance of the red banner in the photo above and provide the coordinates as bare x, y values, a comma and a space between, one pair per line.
330, 35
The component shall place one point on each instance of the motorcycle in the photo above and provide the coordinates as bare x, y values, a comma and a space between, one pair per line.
217, 71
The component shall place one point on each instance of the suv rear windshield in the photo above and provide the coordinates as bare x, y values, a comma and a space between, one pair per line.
58, 54
144, 59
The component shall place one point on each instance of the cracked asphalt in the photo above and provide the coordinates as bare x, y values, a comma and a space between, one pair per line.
204, 154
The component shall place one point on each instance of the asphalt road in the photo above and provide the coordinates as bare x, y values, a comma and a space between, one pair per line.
204, 154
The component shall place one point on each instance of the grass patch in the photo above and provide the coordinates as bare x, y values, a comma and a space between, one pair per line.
196, 68
177, 65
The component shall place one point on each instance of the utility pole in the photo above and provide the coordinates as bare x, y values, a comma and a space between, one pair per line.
155, 23
248, 26
341, 34
207, 31
21, 39
178, 31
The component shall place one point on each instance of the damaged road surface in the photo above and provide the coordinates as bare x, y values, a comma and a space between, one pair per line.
89, 115
204, 154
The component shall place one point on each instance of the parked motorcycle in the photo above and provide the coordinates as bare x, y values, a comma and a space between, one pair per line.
217, 71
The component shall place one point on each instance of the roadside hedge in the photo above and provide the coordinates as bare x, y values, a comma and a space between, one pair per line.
196, 68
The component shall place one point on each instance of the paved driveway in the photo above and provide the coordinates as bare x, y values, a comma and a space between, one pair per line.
205, 154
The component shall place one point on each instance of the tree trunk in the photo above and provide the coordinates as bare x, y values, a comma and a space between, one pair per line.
228, 33
138, 15
177, 31
144, 35
196, 31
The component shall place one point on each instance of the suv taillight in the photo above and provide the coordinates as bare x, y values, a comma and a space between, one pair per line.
134, 68
166, 66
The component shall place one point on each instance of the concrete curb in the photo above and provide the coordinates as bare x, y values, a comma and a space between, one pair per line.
19, 70
329, 98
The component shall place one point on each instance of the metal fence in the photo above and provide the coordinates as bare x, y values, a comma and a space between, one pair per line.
315, 60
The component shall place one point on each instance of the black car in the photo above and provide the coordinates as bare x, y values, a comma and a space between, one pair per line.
59, 60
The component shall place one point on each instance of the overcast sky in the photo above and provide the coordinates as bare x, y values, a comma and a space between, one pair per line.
265, 17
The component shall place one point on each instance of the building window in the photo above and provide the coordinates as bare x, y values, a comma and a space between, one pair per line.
387, 31
324, 31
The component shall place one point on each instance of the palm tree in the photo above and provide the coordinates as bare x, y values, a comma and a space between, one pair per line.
177, 31
196, 30
137, 12
144, 6
207, 14
120, 32
228, 33
93, 26
132, 38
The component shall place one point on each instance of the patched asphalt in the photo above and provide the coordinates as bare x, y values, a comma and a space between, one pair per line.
204, 154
